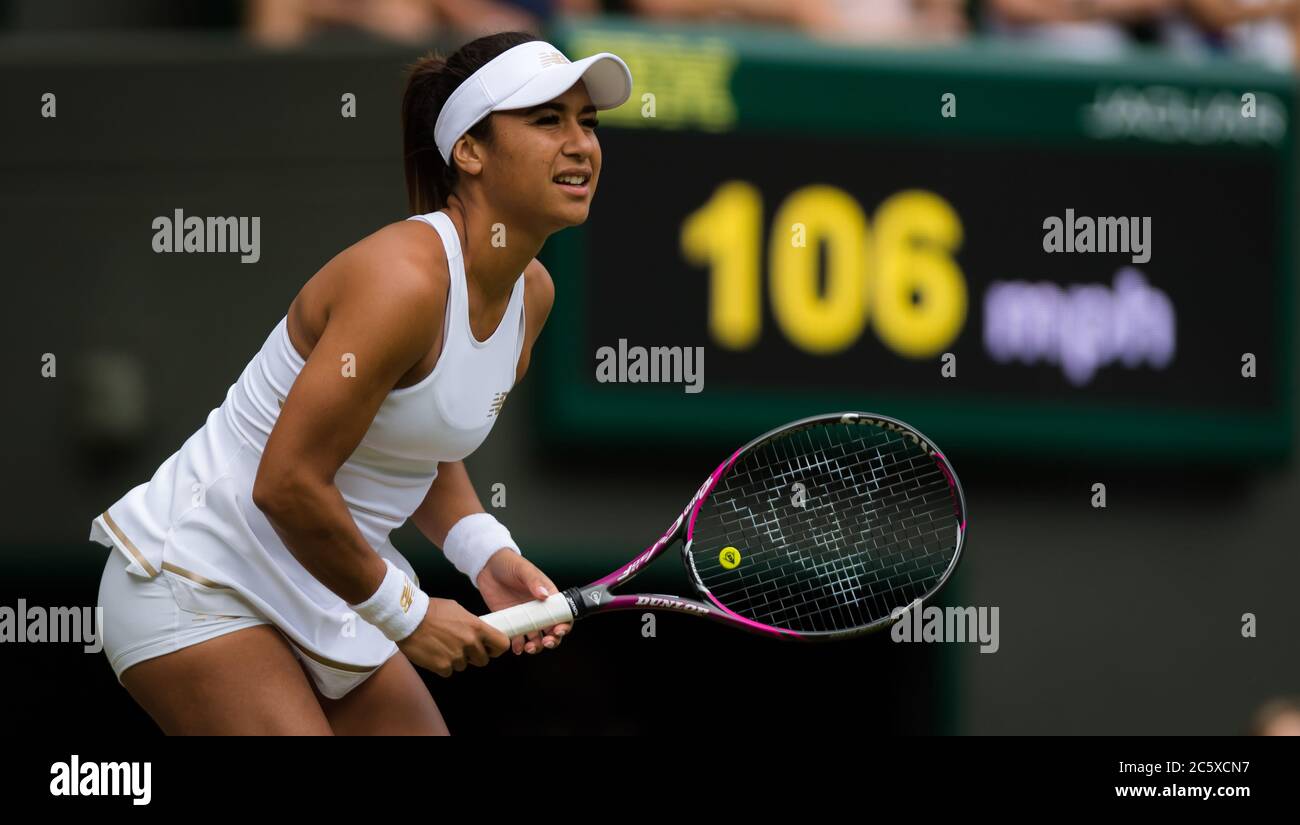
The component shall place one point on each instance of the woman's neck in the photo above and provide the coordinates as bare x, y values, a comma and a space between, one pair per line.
495, 249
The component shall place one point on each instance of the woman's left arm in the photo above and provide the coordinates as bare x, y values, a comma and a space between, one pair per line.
507, 578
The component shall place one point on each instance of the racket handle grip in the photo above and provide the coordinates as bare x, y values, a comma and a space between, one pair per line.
531, 615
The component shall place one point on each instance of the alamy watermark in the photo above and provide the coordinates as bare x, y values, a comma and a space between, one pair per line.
77, 625
178, 233
1080, 233
77, 778
946, 624
654, 365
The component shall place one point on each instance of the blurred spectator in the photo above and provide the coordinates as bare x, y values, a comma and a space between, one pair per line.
893, 22
476, 18
1079, 28
287, 22
854, 21
1279, 717
1258, 30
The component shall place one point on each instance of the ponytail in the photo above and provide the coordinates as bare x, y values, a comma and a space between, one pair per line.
430, 81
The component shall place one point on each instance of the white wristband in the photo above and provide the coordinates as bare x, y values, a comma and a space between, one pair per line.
397, 607
473, 540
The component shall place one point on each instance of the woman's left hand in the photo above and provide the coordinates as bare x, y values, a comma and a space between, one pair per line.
509, 579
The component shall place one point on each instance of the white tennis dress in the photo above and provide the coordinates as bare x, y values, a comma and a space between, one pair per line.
194, 525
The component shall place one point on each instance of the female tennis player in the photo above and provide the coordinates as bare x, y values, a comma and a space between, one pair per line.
260, 592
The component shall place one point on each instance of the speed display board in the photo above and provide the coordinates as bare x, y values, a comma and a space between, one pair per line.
1062, 262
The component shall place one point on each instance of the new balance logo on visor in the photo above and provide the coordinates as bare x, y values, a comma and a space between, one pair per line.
551, 59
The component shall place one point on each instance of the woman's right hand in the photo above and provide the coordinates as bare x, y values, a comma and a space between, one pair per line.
450, 637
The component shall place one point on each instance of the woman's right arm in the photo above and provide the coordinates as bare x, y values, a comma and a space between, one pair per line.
378, 327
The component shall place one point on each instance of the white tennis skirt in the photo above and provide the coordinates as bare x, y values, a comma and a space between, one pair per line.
145, 618
194, 558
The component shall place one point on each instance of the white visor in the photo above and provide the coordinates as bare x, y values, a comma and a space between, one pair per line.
526, 75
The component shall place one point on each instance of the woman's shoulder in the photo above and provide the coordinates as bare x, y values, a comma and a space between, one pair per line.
399, 256
394, 263
407, 244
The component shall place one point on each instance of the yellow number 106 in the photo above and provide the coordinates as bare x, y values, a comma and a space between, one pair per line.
902, 278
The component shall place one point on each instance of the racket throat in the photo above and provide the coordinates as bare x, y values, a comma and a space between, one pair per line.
578, 603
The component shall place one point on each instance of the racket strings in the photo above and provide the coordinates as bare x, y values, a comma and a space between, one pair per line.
875, 592
847, 583
848, 577
873, 527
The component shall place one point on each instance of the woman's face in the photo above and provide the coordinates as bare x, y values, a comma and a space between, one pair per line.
532, 149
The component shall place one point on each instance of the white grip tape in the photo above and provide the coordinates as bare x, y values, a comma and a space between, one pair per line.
530, 616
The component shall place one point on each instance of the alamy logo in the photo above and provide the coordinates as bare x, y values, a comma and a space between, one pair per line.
952, 624
77, 778
1105, 234
178, 233
655, 365
79, 625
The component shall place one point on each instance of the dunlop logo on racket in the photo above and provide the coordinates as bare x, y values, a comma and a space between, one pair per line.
673, 604
729, 557
897, 426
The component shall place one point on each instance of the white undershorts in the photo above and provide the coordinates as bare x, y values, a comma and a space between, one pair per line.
145, 618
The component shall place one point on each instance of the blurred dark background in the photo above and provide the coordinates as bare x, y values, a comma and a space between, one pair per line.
1124, 620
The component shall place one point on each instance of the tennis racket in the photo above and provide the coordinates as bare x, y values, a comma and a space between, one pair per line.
816, 530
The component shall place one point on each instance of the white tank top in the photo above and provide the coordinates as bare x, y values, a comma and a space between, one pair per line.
195, 517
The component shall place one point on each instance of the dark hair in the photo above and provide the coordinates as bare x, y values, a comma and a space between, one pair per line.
429, 82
